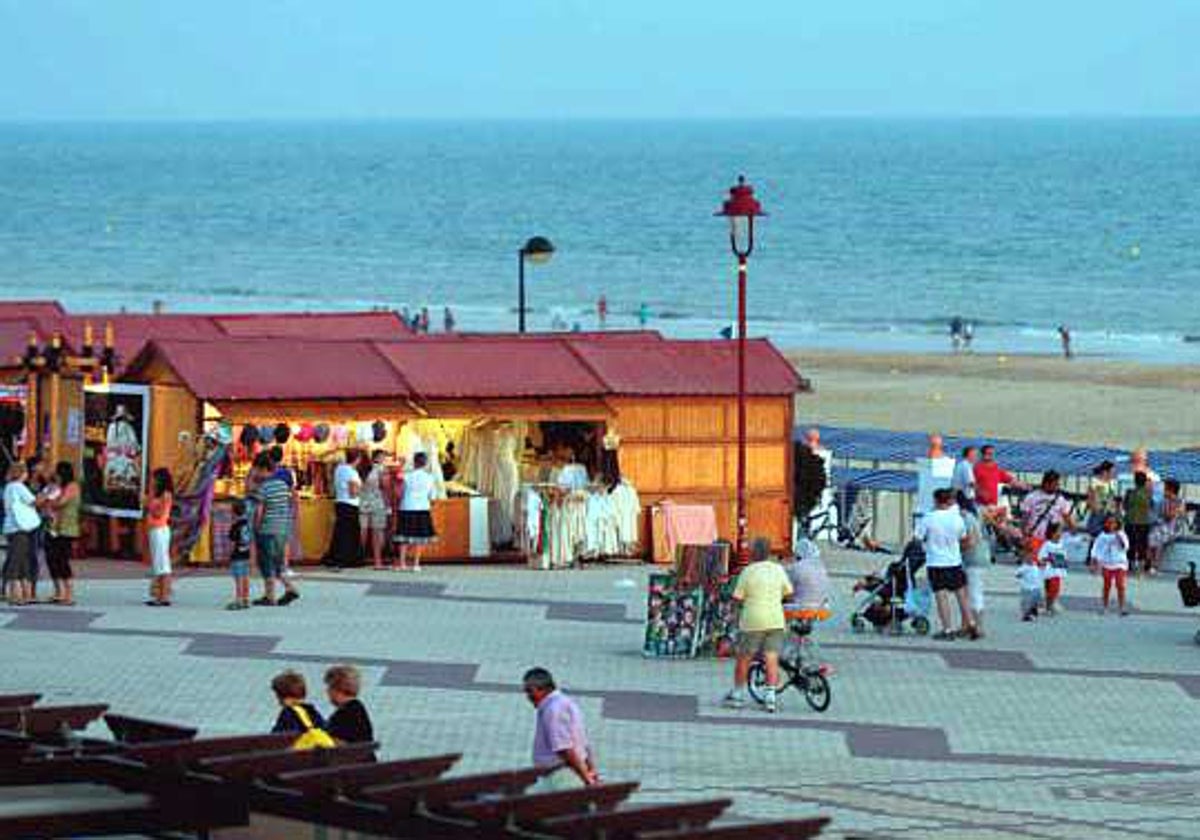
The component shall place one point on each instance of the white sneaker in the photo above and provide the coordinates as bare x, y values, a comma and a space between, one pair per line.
771, 702
735, 699
289, 572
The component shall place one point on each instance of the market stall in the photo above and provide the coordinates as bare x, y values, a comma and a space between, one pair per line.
549, 448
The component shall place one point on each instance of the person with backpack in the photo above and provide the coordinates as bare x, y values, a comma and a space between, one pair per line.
1042, 508
297, 715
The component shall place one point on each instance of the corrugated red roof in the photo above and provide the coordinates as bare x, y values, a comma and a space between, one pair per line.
40, 309
687, 368
279, 369
496, 368
322, 326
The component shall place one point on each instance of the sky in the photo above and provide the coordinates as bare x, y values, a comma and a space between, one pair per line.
556, 59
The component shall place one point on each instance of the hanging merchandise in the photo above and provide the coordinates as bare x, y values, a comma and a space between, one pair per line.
306, 433
283, 433
339, 436
379, 431
321, 433
266, 435
248, 437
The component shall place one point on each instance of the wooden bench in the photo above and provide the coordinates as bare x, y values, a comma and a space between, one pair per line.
528, 810
405, 799
131, 730
347, 780
42, 721
632, 822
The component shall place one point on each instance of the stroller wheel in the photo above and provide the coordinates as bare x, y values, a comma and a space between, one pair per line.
856, 623
920, 625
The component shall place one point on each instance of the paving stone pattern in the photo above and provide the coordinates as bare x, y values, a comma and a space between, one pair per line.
1075, 726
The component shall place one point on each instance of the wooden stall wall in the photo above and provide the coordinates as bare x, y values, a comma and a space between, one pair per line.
685, 450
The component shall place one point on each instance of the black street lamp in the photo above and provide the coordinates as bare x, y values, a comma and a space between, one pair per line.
538, 250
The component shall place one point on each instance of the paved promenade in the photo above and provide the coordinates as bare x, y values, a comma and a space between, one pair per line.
1077, 726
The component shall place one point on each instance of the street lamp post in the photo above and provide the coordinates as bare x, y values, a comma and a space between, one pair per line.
741, 208
538, 249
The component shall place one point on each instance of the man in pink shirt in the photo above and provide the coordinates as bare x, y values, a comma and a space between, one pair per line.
560, 743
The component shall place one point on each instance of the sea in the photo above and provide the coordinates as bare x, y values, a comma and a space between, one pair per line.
878, 232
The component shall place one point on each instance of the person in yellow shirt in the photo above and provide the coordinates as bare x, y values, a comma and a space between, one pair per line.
761, 589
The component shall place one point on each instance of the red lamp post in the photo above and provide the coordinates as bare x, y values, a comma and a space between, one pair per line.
741, 208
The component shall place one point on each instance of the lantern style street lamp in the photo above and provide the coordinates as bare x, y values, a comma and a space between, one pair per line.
537, 250
741, 208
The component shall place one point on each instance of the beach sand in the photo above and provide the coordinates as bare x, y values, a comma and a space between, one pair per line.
1082, 401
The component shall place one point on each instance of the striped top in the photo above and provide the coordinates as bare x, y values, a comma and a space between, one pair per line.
276, 500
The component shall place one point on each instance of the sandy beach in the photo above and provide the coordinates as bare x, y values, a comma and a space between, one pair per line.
1082, 401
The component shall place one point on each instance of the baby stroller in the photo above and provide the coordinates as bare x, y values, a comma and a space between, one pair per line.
895, 595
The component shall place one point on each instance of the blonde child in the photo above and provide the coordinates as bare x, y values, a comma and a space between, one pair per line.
350, 723
1109, 552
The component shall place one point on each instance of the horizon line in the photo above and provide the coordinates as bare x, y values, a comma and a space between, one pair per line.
598, 118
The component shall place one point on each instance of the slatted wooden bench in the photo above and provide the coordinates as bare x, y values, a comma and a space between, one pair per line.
159, 777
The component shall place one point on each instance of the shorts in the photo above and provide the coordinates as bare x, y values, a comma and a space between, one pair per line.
270, 555
754, 642
20, 562
374, 520
947, 578
160, 550
975, 587
240, 568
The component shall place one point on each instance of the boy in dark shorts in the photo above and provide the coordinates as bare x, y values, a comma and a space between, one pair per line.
240, 540
350, 724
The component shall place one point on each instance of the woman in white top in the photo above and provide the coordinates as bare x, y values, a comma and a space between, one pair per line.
414, 523
372, 507
21, 520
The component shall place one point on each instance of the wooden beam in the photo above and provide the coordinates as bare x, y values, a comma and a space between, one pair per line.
18, 701
405, 798
629, 823
529, 809
50, 720
186, 753
348, 779
131, 730
245, 767
788, 830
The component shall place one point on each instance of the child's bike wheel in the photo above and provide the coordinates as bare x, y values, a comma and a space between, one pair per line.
756, 681
856, 623
920, 625
817, 692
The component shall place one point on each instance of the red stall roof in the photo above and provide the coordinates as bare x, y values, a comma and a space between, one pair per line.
495, 368
688, 368
317, 326
278, 369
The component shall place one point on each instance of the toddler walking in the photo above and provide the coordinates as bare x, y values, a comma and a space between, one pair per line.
1109, 553
1029, 574
1052, 557
239, 557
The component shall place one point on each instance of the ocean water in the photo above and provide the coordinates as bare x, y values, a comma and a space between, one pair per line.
879, 232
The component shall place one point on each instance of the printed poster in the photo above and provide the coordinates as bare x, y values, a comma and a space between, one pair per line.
116, 423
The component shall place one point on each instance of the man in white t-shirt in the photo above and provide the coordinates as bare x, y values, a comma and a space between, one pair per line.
944, 535
345, 548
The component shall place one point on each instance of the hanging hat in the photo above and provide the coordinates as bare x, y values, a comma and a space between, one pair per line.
249, 436
340, 435
266, 434
378, 431
305, 433
365, 434
321, 433
282, 433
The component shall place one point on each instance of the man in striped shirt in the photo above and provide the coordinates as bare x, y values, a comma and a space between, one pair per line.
272, 521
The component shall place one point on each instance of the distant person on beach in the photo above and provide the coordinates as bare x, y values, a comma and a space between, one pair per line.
968, 335
1064, 336
423, 320
956, 333
602, 311
643, 315
448, 323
